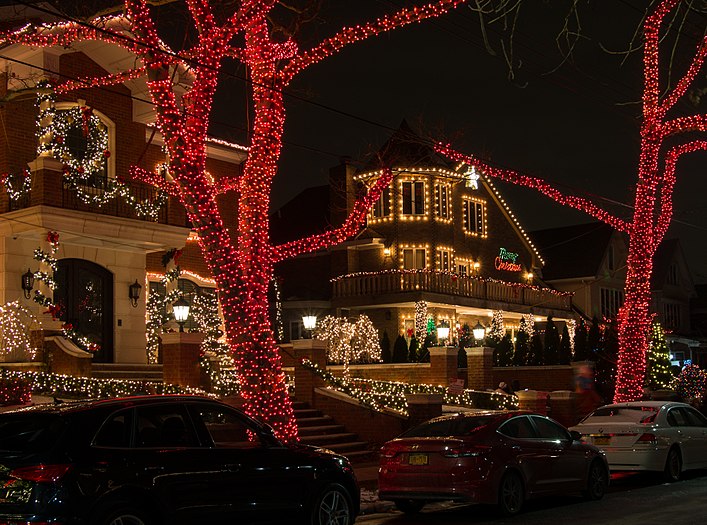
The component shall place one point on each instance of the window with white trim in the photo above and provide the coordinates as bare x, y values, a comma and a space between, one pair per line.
414, 258
610, 301
671, 315
444, 260
442, 201
381, 208
474, 215
413, 195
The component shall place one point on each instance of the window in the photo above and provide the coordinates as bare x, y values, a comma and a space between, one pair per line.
190, 291
462, 269
164, 426
444, 260
611, 301
413, 198
474, 214
549, 430
442, 201
673, 274
381, 208
671, 314
115, 431
414, 258
296, 330
227, 429
519, 427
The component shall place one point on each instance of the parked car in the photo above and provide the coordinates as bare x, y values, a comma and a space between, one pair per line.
163, 460
492, 457
663, 436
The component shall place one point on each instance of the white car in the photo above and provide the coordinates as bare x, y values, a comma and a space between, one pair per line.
662, 436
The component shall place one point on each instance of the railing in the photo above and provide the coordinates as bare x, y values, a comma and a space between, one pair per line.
398, 281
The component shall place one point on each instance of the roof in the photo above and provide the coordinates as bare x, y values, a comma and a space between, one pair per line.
404, 149
668, 251
305, 214
573, 251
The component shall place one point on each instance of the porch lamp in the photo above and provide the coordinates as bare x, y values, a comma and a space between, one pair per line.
479, 331
27, 283
443, 331
309, 322
134, 293
181, 312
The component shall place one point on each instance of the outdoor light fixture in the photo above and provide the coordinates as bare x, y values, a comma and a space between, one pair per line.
529, 277
479, 331
443, 331
310, 323
27, 283
386, 251
134, 293
181, 312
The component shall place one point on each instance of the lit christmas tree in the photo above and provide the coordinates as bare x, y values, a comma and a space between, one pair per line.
690, 384
658, 374
349, 342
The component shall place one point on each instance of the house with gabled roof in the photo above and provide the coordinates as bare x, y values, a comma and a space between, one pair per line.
440, 238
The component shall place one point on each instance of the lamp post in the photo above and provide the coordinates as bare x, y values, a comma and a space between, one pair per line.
310, 323
479, 331
181, 312
442, 332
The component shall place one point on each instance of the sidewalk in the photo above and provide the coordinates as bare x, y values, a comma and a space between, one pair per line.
367, 475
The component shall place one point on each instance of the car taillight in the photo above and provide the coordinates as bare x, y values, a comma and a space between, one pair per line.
647, 437
388, 452
41, 473
466, 451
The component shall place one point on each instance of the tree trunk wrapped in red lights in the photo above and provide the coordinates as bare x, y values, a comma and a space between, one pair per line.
241, 270
653, 207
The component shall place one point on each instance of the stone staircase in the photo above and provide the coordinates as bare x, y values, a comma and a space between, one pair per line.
318, 429
129, 371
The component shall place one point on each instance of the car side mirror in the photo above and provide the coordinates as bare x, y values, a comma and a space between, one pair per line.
576, 436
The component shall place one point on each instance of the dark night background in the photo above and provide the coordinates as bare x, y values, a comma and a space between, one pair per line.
575, 123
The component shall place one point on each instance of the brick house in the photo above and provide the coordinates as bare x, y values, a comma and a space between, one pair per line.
105, 244
440, 234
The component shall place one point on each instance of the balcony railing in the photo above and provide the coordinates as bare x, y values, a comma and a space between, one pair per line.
400, 281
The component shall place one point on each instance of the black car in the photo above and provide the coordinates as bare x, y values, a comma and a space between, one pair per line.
163, 460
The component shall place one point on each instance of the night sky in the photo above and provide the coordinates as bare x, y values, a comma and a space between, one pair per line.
574, 123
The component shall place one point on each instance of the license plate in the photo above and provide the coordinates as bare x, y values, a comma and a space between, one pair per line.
602, 440
417, 459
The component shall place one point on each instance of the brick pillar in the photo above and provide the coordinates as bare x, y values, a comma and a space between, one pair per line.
47, 180
443, 364
533, 400
306, 380
180, 358
422, 407
479, 368
562, 407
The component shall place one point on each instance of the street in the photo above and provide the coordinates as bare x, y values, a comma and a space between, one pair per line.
632, 500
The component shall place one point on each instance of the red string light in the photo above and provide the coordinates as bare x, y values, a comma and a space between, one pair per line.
242, 268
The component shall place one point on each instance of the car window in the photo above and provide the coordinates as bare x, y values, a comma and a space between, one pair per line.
676, 418
695, 418
227, 429
623, 414
431, 429
549, 429
29, 433
466, 426
115, 431
165, 425
518, 427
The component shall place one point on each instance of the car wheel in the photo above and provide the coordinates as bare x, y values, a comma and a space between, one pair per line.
332, 507
597, 481
673, 465
121, 514
510, 494
409, 506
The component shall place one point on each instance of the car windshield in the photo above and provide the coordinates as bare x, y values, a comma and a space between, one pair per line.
631, 414
29, 433
463, 426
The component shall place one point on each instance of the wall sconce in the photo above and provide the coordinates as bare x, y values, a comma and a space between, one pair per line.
134, 293
443, 331
386, 251
529, 277
181, 312
27, 283
479, 331
475, 267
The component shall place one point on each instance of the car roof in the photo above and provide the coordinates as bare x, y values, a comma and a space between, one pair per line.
478, 413
63, 407
651, 404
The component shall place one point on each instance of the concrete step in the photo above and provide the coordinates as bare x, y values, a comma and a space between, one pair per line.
328, 439
313, 421
305, 413
321, 429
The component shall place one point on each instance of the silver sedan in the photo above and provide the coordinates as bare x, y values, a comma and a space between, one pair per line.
663, 436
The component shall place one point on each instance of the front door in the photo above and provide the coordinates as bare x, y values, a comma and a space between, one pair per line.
85, 295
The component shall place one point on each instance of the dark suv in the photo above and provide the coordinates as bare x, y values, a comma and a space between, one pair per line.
163, 459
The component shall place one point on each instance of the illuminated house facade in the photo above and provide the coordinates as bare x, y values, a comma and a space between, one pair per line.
107, 240
441, 237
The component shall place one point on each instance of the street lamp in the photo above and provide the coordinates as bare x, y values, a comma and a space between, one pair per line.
443, 331
310, 323
181, 312
479, 331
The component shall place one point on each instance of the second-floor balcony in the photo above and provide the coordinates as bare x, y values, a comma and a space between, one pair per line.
388, 285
